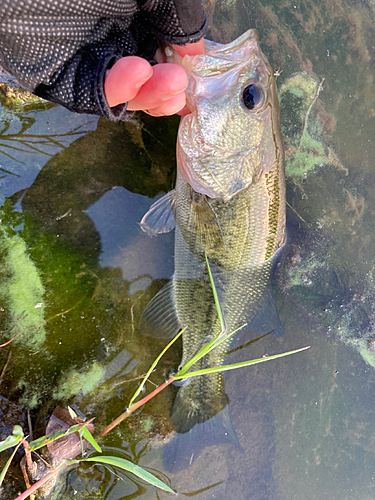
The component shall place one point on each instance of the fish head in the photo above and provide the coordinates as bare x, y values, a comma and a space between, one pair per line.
232, 134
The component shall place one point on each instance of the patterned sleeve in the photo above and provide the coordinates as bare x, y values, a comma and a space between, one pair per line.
177, 21
61, 49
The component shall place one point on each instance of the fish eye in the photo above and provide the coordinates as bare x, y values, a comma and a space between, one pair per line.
252, 96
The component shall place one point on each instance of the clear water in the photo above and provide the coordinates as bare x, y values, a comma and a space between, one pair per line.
72, 247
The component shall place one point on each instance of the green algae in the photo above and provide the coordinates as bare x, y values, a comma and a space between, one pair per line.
22, 290
302, 85
81, 382
305, 150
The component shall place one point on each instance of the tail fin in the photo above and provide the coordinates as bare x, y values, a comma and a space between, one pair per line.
199, 422
182, 451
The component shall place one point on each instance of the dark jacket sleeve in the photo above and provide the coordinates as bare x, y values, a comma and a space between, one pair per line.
62, 50
177, 21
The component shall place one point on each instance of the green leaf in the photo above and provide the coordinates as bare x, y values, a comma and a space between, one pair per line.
38, 443
18, 432
154, 364
12, 440
233, 366
6, 466
213, 344
72, 413
121, 463
90, 438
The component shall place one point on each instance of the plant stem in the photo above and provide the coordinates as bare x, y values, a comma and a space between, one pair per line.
308, 112
40, 483
135, 407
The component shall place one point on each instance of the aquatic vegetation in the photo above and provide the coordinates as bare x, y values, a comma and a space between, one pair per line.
316, 270
82, 428
309, 433
21, 290
79, 381
16, 98
306, 149
17, 438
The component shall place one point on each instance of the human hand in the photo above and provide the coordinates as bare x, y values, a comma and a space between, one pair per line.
157, 90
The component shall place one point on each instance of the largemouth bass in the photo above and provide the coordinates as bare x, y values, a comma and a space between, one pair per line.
228, 204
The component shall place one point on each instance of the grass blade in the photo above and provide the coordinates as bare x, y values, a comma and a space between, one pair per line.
154, 364
38, 443
233, 366
6, 466
216, 298
202, 352
90, 438
215, 342
121, 463
12, 440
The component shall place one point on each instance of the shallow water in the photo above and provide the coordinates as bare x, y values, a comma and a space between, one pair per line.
72, 247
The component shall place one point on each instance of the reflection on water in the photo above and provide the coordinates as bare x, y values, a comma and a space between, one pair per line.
29, 139
123, 245
305, 424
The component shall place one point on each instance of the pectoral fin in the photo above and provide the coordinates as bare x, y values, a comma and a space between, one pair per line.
159, 319
204, 232
160, 218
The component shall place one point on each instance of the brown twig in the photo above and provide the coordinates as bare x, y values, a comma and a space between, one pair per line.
11, 340
135, 406
134, 379
30, 425
24, 472
5, 366
319, 89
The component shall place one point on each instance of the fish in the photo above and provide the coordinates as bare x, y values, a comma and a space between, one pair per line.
228, 205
